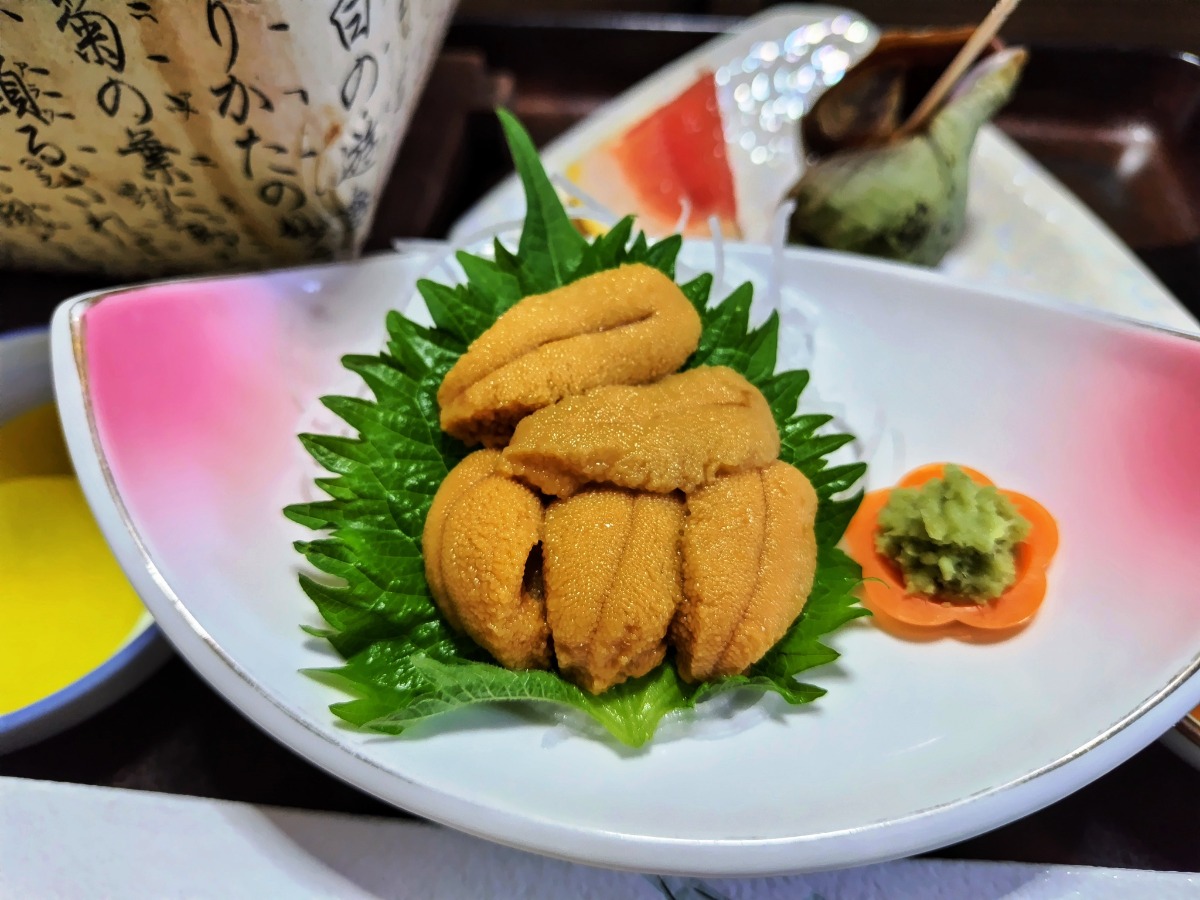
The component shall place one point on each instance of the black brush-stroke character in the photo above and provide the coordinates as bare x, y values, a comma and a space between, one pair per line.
181, 103
204, 235
130, 191
275, 193
48, 153
157, 165
17, 214
234, 99
98, 40
299, 227
97, 224
199, 232
157, 198
139, 11
359, 157
67, 181
223, 31
92, 197
352, 19
38, 171
56, 180
364, 67
246, 144
113, 93
20, 98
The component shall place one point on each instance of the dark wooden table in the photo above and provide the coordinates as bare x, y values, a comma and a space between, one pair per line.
1078, 111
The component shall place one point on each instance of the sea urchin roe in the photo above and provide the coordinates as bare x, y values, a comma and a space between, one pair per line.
677, 434
630, 325
484, 567
462, 478
952, 537
749, 560
613, 582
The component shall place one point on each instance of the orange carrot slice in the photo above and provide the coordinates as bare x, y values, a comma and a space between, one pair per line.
884, 593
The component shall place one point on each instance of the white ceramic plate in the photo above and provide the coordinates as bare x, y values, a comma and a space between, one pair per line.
181, 402
24, 385
1025, 230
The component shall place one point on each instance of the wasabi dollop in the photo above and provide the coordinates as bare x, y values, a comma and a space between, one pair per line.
952, 537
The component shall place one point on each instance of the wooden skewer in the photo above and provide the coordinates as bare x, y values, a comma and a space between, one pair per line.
970, 51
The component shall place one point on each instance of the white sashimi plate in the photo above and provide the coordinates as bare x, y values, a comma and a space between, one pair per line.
1025, 230
181, 402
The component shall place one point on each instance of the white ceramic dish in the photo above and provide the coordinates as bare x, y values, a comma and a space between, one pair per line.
1025, 230
25, 384
181, 402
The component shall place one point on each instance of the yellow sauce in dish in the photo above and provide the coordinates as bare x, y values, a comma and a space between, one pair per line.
64, 602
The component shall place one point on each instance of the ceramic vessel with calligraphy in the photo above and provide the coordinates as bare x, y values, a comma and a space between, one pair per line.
146, 137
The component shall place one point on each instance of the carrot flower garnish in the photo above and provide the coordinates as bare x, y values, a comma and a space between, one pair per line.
887, 592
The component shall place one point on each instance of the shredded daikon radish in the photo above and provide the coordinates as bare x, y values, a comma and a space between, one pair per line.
685, 215
718, 242
778, 236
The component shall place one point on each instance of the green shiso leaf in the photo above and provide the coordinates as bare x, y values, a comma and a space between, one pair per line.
402, 665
